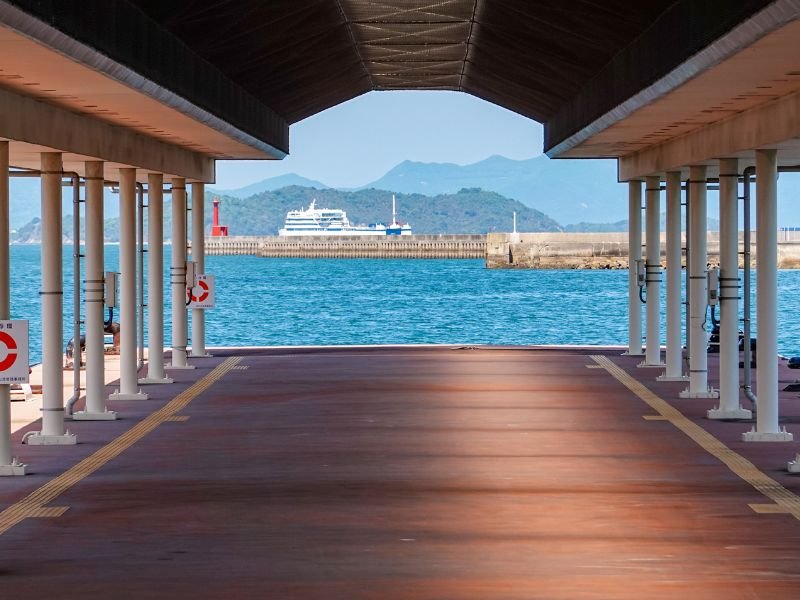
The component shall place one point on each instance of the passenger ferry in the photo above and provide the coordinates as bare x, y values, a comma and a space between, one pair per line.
315, 221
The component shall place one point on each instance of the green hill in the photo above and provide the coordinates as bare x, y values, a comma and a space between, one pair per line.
468, 211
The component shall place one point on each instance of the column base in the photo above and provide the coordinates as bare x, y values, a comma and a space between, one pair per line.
646, 365
15, 469
35, 438
629, 353
672, 378
706, 394
206, 355
136, 396
108, 415
719, 414
149, 381
777, 436
180, 367
794, 465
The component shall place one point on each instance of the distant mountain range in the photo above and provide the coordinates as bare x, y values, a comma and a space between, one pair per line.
582, 194
568, 191
271, 184
573, 195
469, 210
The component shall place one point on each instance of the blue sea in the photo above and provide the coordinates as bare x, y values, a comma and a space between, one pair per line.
268, 301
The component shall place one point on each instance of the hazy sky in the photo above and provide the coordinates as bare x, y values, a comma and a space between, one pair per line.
357, 142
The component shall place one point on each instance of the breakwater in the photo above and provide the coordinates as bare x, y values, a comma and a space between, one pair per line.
413, 246
599, 250
500, 250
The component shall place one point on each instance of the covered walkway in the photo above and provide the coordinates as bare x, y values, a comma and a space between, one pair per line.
407, 473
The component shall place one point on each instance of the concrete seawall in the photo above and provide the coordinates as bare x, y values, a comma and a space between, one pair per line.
526, 251
595, 251
414, 246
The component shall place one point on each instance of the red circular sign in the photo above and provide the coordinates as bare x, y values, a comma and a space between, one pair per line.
11, 344
204, 295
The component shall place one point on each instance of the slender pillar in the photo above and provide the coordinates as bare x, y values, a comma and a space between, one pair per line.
767, 427
653, 272
52, 293
128, 359
178, 275
8, 464
698, 287
634, 254
674, 362
155, 280
729, 398
95, 409
199, 258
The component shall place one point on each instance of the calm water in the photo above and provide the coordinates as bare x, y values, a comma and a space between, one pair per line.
264, 302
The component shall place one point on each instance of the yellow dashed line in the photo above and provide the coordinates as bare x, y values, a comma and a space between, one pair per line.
33, 505
785, 501
654, 418
177, 419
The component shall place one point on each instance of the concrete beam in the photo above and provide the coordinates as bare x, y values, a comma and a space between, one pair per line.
775, 125
701, 34
116, 38
27, 120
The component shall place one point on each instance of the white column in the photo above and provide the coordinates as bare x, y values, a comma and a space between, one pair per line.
698, 287
634, 254
8, 464
199, 258
653, 272
155, 280
178, 275
52, 294
767, 427
729, 393
128, 358
674, 362
95, 409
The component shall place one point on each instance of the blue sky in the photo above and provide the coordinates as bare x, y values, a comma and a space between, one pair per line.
357, 142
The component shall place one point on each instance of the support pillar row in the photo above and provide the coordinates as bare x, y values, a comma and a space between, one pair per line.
674, 362
199, 258
634, 254
52, 296
767, 427
698, 286
128, 358
94, 299
178, 275
155, 280
729, 392
653, 272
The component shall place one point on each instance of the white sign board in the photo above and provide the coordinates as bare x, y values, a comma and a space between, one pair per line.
13, 352
202, 294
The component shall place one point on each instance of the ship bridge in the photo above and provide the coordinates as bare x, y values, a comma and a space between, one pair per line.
145, 96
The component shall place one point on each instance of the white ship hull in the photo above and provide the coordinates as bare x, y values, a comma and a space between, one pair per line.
333, 222
332, 233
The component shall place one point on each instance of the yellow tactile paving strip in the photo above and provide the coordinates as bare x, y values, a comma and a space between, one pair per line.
33, 505
785, 501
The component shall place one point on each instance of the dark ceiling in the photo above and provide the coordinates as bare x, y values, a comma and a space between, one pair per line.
302, 56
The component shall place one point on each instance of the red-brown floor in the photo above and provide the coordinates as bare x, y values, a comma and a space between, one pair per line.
402, 473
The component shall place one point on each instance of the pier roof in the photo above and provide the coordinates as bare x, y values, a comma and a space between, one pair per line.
261, 66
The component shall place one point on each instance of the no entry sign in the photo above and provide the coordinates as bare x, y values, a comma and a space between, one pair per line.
13, 352
202, 294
